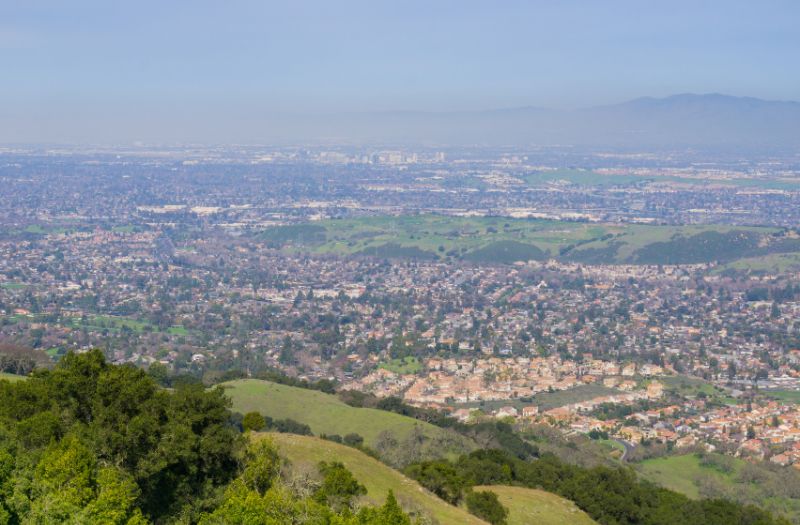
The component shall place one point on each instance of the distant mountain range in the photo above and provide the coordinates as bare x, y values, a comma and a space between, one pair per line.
710, 120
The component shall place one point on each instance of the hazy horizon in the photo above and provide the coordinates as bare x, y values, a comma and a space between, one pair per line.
92, 71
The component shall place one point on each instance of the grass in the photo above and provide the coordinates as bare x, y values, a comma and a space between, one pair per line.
326, 413
12, 377
772, 263
506, 240
548, 400
791, 396
374, 475
616, 449
125, 228
687, 386
771, 491
580, 177
528, 506
680, 472
14, 286
676, 473
110, 323
590, 178
407, 365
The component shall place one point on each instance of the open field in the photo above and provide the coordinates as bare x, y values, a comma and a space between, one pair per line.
548, 400
100, 323
374, 475
506, 240
679, 472
792, 396
407, 365
529, 506
771, 263
583, 177
327, 414
693, 386
13, 286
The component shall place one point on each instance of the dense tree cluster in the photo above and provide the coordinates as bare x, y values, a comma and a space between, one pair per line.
90, 442
259, 496
611, 496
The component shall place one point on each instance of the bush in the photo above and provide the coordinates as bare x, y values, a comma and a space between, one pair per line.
353, 440
253, 421
486, 506
440, 477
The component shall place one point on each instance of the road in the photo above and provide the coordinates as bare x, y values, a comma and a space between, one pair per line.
628, 448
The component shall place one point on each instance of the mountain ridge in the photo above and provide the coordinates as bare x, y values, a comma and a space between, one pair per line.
681, 120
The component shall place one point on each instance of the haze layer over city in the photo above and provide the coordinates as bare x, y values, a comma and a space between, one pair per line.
390, 263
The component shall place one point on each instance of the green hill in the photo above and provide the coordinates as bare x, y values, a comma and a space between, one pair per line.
374, 475
529, 506
506, 240
327, 414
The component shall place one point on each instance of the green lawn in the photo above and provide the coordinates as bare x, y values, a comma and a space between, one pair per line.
532, 506
326, 413
407, 365
580, 177
374, 475
792, 396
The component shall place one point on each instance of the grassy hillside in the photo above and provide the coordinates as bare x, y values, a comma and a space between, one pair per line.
374, 475
773, 488
680, 472
532, 506
11, 377
506, 240
327, 414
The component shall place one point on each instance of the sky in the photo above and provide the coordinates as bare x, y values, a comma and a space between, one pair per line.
83, 70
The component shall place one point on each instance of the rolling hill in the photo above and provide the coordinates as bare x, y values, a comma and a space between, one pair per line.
327, 414
531, 506
505, 240
374, 475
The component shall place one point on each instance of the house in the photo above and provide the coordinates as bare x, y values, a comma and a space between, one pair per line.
530, 411
655, 390
507, 411
781, 459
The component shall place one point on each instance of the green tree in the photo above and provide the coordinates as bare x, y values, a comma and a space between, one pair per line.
262, 465
172, 451
440, 477
339, 487
485, 505
253, 421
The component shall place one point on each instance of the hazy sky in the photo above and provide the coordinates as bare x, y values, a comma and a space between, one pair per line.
89, 67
